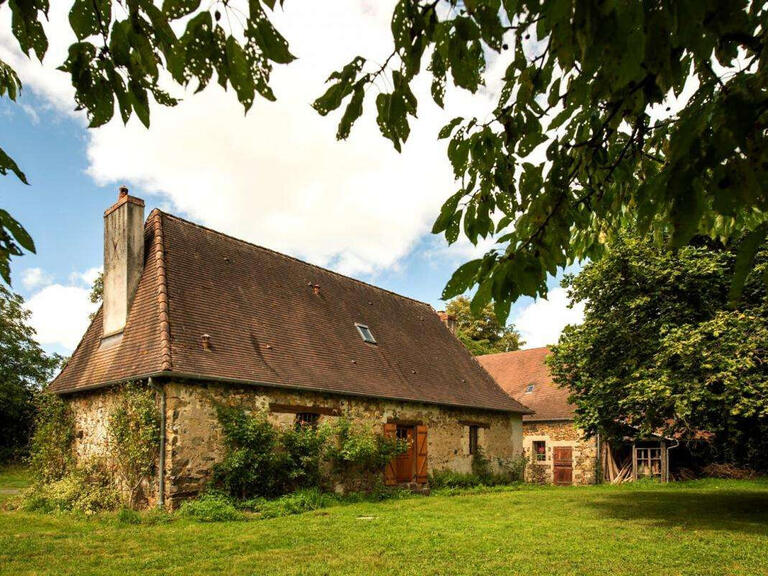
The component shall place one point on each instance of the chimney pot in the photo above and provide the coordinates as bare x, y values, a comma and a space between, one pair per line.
316, 289
448, 319
206, 341
123, 192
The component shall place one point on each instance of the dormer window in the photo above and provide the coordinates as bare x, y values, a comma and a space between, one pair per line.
365, 333
529, 389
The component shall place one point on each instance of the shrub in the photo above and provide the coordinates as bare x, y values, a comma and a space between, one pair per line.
305, 448
51, 446
358, 454
211, 507
481, 466
253, 464
296, 503
510, 471
88, 489
440, 479
128, 516
134, 431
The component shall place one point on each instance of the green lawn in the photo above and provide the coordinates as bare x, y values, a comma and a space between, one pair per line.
705, 527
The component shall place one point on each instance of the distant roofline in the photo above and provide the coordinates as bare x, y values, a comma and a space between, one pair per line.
538, 348
275, 252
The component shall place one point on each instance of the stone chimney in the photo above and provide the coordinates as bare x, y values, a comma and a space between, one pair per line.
449, 320
123, 259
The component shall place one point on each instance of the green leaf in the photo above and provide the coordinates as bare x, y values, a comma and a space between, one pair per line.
272, 44
446, 130
745, 261
9, 81
87, 16
339, 90
240, 73
462, 279
352, 113
17, 230
7, 163
176, 9
446, 213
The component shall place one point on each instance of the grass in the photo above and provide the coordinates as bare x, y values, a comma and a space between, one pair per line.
703, 527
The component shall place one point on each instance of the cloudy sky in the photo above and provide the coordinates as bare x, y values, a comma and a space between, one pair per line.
276, 176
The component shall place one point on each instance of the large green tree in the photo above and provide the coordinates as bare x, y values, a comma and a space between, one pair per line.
482, 333
24, 369
662, 350
590, 123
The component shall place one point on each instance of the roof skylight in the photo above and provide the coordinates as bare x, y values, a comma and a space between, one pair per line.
365, 333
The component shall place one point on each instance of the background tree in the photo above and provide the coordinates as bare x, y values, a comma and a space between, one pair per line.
661, 349
590, 122
482, 333
24, 370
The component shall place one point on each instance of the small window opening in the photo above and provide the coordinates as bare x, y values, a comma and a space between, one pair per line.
473, 433
365, 333
306, 419
540, 450
529, 389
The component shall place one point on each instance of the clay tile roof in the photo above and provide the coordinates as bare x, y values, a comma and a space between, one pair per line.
515, 371
274, 320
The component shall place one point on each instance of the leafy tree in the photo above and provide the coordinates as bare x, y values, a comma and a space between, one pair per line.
582, 135
24, 369
661, 349
97, 290
482, 333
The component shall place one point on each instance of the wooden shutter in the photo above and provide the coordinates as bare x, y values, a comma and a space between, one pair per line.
390, 474
421, 454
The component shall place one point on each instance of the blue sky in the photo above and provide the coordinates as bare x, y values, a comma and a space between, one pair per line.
275, 177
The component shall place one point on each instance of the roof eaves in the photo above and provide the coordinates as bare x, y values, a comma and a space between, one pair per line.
227, 380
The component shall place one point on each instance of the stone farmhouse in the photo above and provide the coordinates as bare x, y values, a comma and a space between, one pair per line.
203, 318
550, 438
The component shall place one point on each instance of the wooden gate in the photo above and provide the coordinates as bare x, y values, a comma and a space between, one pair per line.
562, 470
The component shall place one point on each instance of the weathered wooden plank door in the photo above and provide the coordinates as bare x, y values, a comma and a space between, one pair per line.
562, 461
405, 464
421, 454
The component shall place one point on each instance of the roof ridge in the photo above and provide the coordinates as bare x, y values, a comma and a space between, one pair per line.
163, 316
282, 255
537, 349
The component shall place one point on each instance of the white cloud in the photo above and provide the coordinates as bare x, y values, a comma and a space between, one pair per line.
86, 278
277, 176
35, 278
60, 314
541, 322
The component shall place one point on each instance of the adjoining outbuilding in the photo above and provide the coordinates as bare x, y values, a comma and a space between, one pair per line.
550, 438
554, 444
204, 318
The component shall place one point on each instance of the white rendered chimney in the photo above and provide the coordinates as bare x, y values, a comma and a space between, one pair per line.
123, 259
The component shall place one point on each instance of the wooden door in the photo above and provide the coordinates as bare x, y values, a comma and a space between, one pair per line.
562, 470
405, 463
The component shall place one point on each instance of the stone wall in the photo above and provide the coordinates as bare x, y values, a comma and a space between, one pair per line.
563, 433
194, 436
91, 412
194, 441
